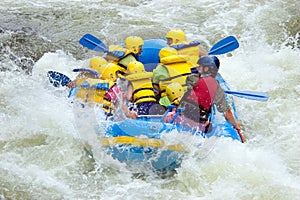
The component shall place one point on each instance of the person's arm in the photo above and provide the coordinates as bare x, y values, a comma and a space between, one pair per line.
76, 82
72, 84
229, 117
223, 107
156, 90
128, 113
129, 92
191, 80
159, 73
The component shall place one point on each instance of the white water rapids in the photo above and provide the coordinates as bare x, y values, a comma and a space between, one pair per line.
41, 155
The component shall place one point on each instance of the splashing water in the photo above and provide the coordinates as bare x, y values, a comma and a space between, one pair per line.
41, 151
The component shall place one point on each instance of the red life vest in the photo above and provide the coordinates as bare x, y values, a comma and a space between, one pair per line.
203, 93
112, 97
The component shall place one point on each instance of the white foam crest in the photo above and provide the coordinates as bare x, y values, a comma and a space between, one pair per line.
259, 67
266, 167
23, 173
242, 170
32, 107
59, 61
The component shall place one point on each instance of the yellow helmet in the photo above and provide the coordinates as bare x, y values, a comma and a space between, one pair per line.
133, 43
174, 92
135, 67
96, 63
176, 35
167, 51
109, 72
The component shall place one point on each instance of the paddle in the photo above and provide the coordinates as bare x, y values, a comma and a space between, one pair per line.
93, 43
243, 139
58, 79
258, 96
224, 46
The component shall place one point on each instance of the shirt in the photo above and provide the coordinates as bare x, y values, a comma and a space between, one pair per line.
159, 73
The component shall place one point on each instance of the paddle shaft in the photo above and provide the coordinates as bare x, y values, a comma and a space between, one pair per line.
258, 96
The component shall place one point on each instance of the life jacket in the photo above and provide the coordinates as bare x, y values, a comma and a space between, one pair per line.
111, 99
200, 99
190, 49
120, 56
142, 87
93, 90
178, 68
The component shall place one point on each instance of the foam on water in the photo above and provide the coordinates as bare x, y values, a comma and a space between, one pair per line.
42, 156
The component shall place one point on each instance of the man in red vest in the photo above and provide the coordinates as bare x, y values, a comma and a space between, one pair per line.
203, 92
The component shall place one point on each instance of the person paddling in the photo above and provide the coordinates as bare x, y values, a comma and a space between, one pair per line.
202, 95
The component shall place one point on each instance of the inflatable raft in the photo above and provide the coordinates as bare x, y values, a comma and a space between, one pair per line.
142, 141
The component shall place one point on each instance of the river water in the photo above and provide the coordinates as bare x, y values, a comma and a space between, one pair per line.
41, 155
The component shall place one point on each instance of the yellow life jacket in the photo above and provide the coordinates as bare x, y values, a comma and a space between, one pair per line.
123, 63
120, 56
93, 90
190, 49
108, 107
82, 93
142, 87
178, 68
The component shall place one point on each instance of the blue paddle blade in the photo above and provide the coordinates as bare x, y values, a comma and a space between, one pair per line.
93, 43
58, 79
224, 46
258, 96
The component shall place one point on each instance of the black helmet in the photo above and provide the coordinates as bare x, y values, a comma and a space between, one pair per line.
212, 63
216, 61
